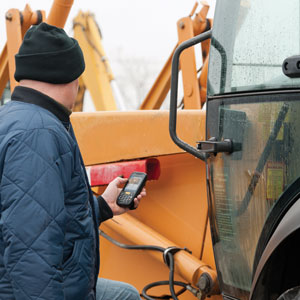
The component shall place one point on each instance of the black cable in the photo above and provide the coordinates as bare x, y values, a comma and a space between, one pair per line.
171, 275
170, 282
160, 283
131, 247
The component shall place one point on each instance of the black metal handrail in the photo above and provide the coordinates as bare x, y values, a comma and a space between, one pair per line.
174, 93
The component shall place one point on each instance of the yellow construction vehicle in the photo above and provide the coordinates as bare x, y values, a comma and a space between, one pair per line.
242, 242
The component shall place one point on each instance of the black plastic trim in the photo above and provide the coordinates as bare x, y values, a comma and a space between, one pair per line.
215, 43
282, 205
256, 93
286, 229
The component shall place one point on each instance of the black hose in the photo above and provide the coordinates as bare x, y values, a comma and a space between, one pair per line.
131, 247
171, 276
169, 282
160, 283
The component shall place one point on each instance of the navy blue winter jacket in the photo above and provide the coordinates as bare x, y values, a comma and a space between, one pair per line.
49, 248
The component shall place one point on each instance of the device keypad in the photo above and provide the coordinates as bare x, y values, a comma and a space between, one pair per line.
124, 198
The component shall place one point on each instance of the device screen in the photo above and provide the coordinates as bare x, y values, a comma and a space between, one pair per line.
133, 183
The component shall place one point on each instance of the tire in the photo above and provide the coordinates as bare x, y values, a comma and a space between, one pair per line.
291, 294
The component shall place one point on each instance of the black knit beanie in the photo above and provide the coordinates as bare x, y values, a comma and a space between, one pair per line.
48, 54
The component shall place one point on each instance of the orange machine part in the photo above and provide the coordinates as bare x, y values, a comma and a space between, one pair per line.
4, 73
15, 30
104, 136
59, 12
187, 28
187, 265
175, 207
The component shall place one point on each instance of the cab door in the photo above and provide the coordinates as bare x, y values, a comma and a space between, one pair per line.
245, 184
253, 104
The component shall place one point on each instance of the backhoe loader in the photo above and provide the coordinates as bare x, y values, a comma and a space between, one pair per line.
222, 207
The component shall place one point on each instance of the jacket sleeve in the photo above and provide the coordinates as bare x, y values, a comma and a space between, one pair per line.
102, 210
105, 211
33, 215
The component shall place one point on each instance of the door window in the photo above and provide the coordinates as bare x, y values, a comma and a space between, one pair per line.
246, 184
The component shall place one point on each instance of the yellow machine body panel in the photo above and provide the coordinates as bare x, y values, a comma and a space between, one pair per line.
172, 213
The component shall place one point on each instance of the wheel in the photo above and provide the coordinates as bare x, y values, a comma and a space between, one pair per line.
291, 294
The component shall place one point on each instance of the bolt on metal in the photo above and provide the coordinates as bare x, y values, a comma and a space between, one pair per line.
8, 16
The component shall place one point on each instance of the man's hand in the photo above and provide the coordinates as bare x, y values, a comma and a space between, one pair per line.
112, 192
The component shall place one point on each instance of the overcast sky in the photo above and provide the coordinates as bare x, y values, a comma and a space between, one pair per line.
131, 28
143, 27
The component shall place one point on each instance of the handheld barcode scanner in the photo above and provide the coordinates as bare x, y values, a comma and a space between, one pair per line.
132, 188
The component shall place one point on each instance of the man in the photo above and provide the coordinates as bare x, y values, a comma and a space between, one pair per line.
49, 218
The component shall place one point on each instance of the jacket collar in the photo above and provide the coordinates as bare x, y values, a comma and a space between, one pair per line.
28, 95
